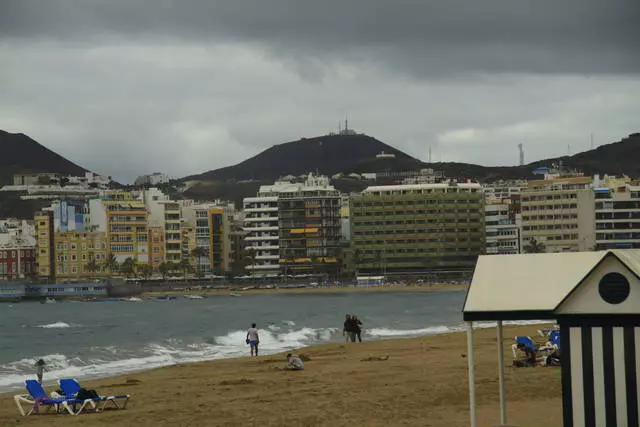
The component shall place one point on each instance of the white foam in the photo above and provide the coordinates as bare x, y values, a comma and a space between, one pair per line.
56, 325
174, 351
432, 330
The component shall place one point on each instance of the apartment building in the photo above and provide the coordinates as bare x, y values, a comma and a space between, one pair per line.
502, 228
156, 246
17, 249
80, 254
45, 250
173, 234
617, 213
559, 213
503, 189
309, 227
412, 228
212, 236
124, 220
261, 232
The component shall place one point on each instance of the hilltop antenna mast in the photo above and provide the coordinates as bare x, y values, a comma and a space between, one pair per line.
521, 154
346, 122
429, 153
591, 138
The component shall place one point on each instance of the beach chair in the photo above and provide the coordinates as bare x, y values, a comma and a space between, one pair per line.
37, 398
70, 388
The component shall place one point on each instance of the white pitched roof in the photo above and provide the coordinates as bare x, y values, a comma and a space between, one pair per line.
533, 282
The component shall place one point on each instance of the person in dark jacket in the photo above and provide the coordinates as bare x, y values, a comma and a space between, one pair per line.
348, 330
357, 327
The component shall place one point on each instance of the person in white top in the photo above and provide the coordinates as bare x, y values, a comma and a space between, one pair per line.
253, 339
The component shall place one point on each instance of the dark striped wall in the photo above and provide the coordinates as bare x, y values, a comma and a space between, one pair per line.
600, 374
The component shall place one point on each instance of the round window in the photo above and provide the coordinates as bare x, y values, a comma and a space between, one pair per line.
614, 288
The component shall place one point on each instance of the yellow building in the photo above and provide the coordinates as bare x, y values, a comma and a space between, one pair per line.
80, 254
156, 246
45, 265
124, 219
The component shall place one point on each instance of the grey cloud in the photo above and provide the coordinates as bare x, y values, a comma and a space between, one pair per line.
418, 36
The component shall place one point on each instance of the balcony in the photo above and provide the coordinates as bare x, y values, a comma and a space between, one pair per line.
261, 218
261, 238
261, 227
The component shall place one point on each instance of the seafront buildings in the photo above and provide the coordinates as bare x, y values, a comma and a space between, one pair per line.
293, 228
558, 212
617, 213
503, 227
421, 227
302, 228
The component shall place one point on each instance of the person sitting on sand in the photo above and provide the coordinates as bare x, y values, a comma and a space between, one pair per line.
530, 357
40, 368
294, 363
253, 339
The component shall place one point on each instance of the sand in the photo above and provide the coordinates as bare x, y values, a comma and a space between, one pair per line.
423, 383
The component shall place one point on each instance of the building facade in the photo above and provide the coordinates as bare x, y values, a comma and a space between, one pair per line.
80, 254
502, 228
412, 228
617, 215
309, 227
45, 249
124, 220
559, 214
261, 233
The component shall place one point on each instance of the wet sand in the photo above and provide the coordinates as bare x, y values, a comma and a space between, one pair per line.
423, 383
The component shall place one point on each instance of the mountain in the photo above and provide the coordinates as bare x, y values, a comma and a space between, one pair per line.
21, 154
333, 154
325, 155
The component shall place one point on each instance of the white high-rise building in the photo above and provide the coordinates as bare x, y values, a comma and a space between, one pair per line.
261, 228
502, 228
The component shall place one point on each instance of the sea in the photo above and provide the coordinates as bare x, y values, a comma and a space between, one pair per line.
99, 339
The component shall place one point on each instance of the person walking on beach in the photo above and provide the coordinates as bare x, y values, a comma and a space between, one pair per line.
253, 339
40, 364
348, 329
357, 327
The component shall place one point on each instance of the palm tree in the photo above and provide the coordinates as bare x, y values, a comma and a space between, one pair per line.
198, 253
535, 247
92, 266
110, 263
185, 266
146, 271
164, 269
129, 267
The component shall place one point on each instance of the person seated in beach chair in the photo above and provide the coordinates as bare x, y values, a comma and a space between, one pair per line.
529, 359
294, 363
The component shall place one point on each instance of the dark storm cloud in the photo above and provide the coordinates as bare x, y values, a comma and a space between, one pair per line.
420, 37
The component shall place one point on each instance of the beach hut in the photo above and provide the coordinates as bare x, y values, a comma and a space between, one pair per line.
595, 298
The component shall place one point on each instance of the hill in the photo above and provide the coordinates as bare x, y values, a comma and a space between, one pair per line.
21, 154
326, 155
332, 154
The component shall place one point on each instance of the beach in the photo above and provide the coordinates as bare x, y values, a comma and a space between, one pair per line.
423, 383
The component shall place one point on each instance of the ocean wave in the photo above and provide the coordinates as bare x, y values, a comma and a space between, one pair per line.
111, 360
55, 325
432, 330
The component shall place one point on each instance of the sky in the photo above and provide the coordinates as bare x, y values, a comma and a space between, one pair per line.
128, 87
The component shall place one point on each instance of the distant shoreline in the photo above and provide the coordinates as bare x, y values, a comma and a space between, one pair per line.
311, 290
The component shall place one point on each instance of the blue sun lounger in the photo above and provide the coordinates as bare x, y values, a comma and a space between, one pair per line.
38, 398
70, 388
